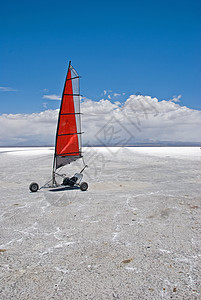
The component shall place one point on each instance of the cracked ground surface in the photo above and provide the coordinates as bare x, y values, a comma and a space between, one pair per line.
135, 234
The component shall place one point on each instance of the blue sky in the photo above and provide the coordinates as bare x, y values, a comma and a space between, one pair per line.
152, 47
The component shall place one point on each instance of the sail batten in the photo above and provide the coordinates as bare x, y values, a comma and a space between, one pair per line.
68, 140
70, 133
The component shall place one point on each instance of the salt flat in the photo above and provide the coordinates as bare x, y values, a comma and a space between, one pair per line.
135, 234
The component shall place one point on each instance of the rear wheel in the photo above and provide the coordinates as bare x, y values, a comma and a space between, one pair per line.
84, 186
34, 187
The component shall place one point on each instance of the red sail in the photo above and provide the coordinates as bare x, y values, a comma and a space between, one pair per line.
68, 140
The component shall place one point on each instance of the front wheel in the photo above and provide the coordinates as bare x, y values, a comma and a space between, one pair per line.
34, 187
84, 186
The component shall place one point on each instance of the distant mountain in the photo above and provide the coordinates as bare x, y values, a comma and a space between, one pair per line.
136, 144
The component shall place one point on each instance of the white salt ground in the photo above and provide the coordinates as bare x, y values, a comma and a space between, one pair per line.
135, 234
189, 153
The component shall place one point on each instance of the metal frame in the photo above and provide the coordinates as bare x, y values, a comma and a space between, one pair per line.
54, 183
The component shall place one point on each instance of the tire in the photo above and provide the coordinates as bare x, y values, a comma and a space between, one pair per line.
34, 187
84, 186
66, 181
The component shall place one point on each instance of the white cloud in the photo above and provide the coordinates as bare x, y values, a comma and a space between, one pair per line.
52, 97
7, 89
176, 98
116, 95
28, 129
110, 94
140, 119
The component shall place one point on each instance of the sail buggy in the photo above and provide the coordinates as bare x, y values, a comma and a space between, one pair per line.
68, 145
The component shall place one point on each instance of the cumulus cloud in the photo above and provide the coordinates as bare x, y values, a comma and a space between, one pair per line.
52, 97
7, 89
140, 119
